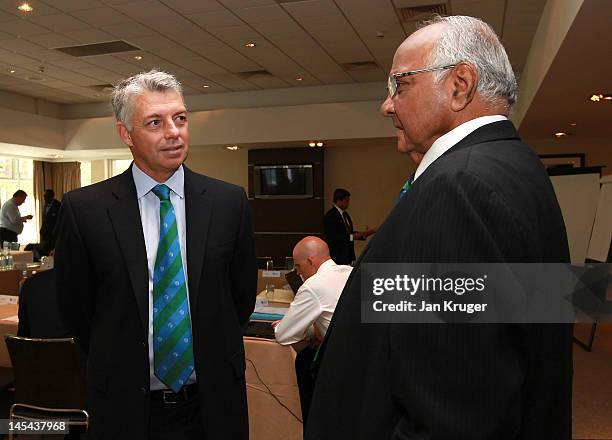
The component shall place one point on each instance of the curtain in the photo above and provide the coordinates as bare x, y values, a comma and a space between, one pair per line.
61, 177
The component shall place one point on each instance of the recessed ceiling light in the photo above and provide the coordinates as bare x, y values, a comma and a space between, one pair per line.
233, 147
312, 144
12, 71
596, 97
299, 78
561, 134
319, 144
25, 7
138, 57
573, 124
205, 86
250, 44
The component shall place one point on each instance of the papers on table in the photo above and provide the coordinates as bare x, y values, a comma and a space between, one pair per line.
13, 318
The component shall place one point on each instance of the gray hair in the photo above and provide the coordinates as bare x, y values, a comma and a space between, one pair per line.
152, 81
474, 41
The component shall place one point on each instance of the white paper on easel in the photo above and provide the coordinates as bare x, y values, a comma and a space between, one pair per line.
599, 245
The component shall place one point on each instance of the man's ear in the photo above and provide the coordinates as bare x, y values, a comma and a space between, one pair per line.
464, 81
124, 134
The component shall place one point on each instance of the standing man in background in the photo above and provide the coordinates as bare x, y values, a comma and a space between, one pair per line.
156, 275
11, 220
479, 195
339, 232
50, 212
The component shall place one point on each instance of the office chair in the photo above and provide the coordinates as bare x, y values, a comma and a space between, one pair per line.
49, 385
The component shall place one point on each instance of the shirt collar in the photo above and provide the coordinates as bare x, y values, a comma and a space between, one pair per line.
327, 264
145, 183
339, 209
448, 140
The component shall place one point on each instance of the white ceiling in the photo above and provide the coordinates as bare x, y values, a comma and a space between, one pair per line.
202, 41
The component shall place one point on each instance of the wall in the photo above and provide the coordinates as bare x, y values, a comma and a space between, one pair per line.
220, 163
598, 150
373, 172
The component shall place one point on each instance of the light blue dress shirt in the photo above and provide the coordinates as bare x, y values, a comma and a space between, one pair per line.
148, 204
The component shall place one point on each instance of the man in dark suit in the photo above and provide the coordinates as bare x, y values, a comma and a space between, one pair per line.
50, 212
156, 276
339, 232
479, 195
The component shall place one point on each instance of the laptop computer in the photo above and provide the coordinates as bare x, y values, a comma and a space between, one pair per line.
294, 280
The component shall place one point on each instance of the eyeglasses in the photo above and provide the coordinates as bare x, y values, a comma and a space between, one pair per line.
392, 81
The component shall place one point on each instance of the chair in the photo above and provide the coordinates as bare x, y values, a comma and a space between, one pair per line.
591, 298
265, 263
48, 381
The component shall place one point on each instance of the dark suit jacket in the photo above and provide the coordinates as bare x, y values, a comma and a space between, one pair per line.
102, 279
39, 315
341, 248
487, 199
49, 221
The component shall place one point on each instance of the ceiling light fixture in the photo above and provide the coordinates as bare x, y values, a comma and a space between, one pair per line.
561, 134
319, 144
25, 7
205, 86
596, 97
250, 44
138, 57
312, 144
299, 78
573, 124
233, 147
12, 71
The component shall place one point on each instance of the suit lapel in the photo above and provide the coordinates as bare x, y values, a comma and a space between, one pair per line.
198, 209
125, 217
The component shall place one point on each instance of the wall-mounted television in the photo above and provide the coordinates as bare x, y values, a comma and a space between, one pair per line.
283, 181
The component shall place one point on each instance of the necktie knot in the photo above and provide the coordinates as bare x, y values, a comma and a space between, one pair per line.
162, 192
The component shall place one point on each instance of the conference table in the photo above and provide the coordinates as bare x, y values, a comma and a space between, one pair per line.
272, 392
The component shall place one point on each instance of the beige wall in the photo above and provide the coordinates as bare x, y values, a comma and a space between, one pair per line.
220, 163
373, 173
598, 151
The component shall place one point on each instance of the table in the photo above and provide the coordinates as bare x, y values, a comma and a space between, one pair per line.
7, 327
22, 257
272, 391
10, 279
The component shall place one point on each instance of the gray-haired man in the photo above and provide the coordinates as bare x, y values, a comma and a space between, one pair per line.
478, 195
156, 275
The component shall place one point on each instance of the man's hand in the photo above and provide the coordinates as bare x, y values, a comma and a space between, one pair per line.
25, 218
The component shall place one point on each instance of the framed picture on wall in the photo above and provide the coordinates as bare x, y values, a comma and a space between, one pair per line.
563, 160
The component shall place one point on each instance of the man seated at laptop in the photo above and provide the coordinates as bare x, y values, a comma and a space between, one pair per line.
311, 311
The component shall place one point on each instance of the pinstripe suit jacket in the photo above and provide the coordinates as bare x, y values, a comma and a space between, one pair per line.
487, 199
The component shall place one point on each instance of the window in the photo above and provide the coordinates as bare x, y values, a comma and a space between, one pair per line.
18, 174
85, 174
118, 166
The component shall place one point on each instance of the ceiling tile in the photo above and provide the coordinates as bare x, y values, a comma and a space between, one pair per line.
5, 16
23, 28
61, 22
312, 8
19, 45
146, 11
262, 14
128, 30
237, 4
91, 36
194, 6
74, 5
216, 19
40, 8
101, 16
51, 40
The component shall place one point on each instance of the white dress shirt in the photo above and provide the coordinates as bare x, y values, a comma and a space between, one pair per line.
148, 204
10, 217
341, 211
314, 303
448, 140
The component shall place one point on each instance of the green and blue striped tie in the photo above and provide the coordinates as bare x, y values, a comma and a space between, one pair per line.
172, 339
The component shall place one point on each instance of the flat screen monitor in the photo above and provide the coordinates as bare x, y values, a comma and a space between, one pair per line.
283, 181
